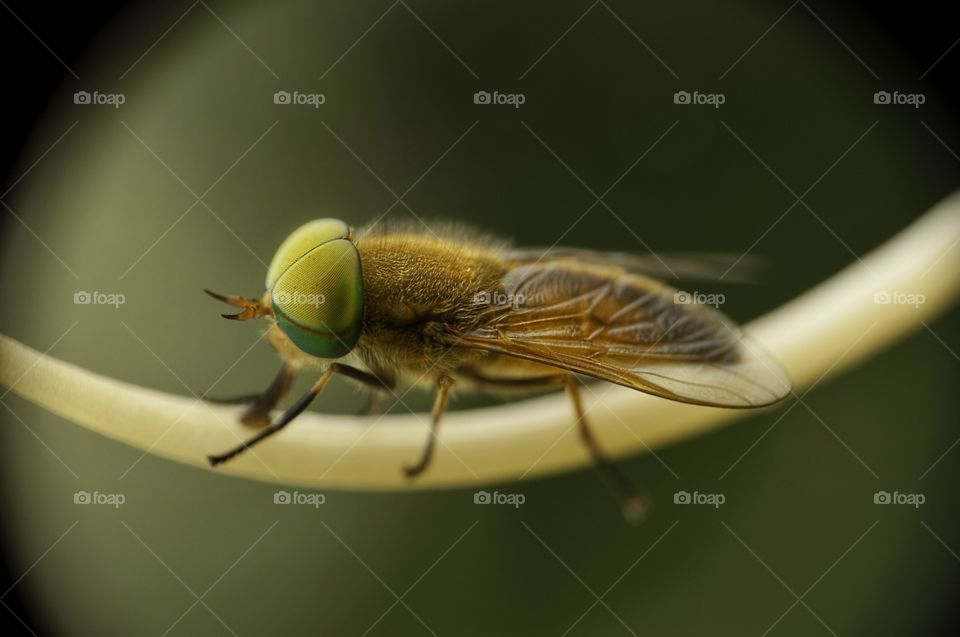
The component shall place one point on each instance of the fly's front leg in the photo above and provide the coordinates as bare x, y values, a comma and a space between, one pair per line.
633, 504
300, 405
258, 413
439, 406
284, 420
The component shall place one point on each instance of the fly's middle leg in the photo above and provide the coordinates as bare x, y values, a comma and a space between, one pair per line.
439, 406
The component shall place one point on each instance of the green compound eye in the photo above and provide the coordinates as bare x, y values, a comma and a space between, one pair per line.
318, 299
302, 240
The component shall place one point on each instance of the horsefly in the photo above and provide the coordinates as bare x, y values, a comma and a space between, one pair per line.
446, 308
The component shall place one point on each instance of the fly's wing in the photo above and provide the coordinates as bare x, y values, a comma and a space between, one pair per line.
624, 328
731, 268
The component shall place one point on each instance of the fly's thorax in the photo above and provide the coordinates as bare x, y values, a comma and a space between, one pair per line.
413, 280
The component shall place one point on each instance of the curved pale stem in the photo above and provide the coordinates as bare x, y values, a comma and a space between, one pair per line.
829, 328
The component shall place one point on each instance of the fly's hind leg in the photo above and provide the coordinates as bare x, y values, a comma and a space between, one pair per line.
439, 406
633, 504
258, 413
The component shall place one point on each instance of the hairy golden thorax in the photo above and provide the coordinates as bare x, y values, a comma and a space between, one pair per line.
412, 280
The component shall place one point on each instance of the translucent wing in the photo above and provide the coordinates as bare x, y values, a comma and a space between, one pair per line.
624, 328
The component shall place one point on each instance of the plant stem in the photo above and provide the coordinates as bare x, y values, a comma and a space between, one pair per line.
822, 332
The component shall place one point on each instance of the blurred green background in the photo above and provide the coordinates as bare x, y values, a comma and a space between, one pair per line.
112, 211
